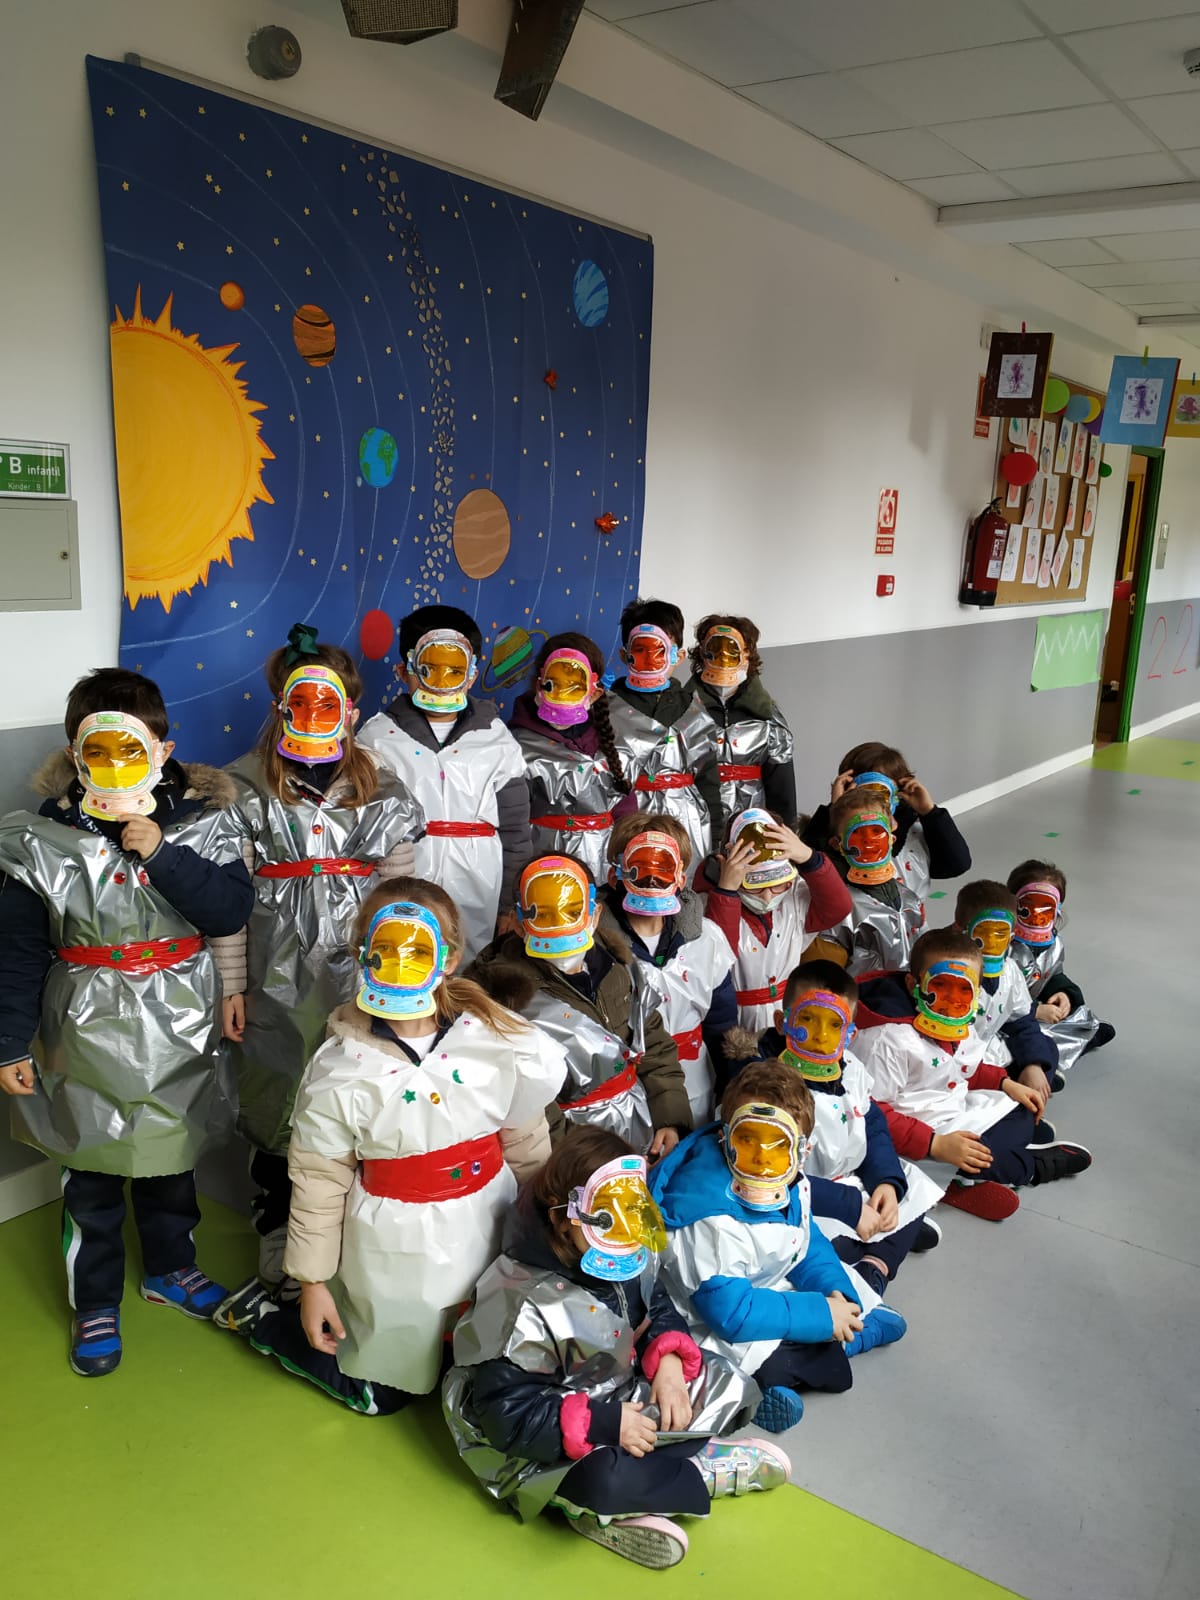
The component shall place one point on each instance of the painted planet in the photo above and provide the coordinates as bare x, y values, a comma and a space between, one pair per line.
1094, 409
376, 632
315, 335
482, 533
233, 296
511, 655
377, 457
1079, 408
589, 291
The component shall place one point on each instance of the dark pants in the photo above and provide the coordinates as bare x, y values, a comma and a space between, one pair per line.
890, 1251
807, 1366
280, 1334
1007, 1140
165, 1211
613, 1483
269, 1207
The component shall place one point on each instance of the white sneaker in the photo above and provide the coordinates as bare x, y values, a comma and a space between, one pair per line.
650, 1541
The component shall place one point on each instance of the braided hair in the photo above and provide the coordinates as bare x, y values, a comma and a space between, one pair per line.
599, 713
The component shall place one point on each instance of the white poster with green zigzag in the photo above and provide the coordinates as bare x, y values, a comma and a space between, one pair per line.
1067, 650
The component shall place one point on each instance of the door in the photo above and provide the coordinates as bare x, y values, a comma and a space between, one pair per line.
1134, 548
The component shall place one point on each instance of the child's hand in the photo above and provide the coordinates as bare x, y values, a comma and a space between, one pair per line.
869, 1222
1023, 1095
141, 836
319, 1318
664, 1141
847, 1317
734, 865
1056, 1009
1037, 1080
790, 844
966, 1151
638, 1433
669, 1393
18, 1077
884, 1200
233, 1016
917, 795
843, 781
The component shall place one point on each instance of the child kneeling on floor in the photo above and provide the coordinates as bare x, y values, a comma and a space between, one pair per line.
413, 1123
576, 1384
758, 1281
944, 1103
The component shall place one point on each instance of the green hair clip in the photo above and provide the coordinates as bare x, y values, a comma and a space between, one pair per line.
302, 642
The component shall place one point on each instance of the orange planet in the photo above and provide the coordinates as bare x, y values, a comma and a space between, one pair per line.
482, 533
315, 335
233, 296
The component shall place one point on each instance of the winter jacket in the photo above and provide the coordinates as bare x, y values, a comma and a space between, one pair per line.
751, 703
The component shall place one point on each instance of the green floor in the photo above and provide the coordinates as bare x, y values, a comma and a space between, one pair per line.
200, 1471
1152, 758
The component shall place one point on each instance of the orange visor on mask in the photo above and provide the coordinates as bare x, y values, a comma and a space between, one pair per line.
725, 658
119, 762
946, 996
651, 872
867, 846
649, 655
1037, 913
555, 906
315, 710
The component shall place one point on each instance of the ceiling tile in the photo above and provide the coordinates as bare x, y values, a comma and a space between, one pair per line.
866, 31
968, 189
1150, 294
1002, 79
826, 105
1072, 177
1175, 118
720, 40
905, 153
1065, 15
1176, 245
1067, 252
1144, 59
1119, 273
1190, 159
1080, 133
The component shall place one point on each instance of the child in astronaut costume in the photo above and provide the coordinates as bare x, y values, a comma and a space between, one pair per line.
321, 824
667, 741
585, 989
413, 1123
869, 1201
461, 765
755, 1277
945, 1103
769, 893
684, 957
576, 1384
753, 741
886, 915
1037, 948
563, 725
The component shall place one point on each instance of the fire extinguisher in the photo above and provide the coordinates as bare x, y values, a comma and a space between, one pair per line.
986, 544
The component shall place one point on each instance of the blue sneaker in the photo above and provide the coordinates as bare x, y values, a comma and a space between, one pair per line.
778, 1410
188, 1291
96, 1342
881, 1326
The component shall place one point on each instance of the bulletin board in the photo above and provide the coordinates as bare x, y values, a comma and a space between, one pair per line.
1052, 520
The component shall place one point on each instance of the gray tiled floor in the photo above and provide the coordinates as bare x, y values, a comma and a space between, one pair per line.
1039, 1422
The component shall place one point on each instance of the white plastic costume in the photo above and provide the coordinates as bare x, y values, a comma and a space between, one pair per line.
683, 988
1011, 999
760, 972
922, 1078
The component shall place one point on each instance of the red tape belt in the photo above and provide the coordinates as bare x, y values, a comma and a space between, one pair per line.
154, 955
762, 997
459, 1169
665, 780
460, 830
625, 1079
689, 1044
560, 821
317, 867
736, 774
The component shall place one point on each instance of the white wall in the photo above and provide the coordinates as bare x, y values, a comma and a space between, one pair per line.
791, 376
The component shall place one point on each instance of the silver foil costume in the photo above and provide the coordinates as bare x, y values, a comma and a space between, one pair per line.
1038, 964
594, 1057
878, 937
651, 750
750, 742
126, 1062
564, 782
299, 962
547, 1325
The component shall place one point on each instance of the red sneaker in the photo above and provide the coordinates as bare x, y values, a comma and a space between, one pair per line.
991, 1201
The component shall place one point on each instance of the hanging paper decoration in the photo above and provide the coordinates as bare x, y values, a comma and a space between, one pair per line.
1056, 397
1079, 408
1184, 422
1138, 403
1016, 374
1019, 467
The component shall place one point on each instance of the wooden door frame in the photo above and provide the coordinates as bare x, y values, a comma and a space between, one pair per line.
1141, 581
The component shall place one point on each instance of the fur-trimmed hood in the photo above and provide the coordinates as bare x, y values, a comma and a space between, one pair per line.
56, 779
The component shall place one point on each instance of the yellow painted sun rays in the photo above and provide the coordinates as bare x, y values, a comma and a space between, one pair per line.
189, 454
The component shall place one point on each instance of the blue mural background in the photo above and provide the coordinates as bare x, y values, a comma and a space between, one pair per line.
501, 344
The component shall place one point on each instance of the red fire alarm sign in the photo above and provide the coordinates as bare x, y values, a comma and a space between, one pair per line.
885, 583
885, 522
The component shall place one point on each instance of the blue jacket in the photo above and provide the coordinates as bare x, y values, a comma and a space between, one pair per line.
692, 1185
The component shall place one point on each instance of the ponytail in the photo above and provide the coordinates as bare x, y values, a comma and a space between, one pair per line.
456, 995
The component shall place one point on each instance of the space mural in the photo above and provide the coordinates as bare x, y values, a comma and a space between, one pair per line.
346, 383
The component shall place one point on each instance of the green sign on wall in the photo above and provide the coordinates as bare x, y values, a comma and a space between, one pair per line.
34, 469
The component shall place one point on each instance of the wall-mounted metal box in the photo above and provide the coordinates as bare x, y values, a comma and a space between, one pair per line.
39, 555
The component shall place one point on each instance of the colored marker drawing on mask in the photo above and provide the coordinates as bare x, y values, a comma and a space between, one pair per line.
763, 1150
444, 665
867, 847
402, 960
119, 762
315, 708
621, 1224
555, 907
649, 656
563, 694
725, 658
651, 871
770, 868
818, 1027
946, 996
1037, 913
992, 931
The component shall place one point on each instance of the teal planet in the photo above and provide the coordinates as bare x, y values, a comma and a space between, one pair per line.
378, 456
589, 291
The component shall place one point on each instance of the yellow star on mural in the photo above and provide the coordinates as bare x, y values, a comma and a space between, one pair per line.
108, 111
216, 188
142, 111
179, 244
125, 185
228, 249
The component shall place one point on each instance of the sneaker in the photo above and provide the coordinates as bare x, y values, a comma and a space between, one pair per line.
188, 1291
991, 1201
242, 1310
650, 1541
741, 1466
96, 1342
779, 1409
1044, 1133
881, 1326
929, 1236
1057, 1082
1100, 1038
1060, 1160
